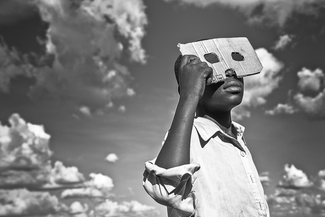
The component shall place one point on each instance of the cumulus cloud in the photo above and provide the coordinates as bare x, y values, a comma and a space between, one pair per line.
76, 207
310, 98
264, 178
297, 195
295, 178
98, 186
65, 175
85, 40
23, 202
122, 108
25, 158
25, 164
112, 157
275, 12
310, 80
134, 208
283, 41
282, 109
85, 110
260, 86
23, 145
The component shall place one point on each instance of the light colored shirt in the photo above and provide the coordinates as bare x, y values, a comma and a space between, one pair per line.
221, 179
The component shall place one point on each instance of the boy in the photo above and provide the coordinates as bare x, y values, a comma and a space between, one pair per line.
204, 167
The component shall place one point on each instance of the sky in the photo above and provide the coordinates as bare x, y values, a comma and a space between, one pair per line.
87, 93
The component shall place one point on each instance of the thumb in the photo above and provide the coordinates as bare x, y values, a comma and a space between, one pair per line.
208, 75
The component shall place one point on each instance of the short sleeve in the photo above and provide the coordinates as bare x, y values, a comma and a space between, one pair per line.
171, 187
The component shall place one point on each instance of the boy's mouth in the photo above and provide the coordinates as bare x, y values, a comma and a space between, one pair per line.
233, 86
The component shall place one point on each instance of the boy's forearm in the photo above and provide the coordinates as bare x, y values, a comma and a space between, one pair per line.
176, 149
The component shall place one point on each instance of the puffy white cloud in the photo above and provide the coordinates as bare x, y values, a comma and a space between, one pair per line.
134, 208
310, 80
282, 109
23, 145
100, 181
130, 92
321, 173
25, 158
274, 12
122, 108
258, 87
85, 40
83, 192
264, 178
78, 209
65, 175
85, 110
296, 195
283, 41
23, 202
312, 106
309, 98
295, 178
98, 186
112, 157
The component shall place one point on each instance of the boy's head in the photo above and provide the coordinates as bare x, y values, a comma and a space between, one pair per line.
220, 96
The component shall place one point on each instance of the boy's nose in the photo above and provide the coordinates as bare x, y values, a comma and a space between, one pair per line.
230, 73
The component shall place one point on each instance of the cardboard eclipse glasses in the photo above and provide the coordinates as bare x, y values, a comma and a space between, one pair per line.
223, 55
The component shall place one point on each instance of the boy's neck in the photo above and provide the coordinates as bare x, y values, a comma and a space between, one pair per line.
223, 120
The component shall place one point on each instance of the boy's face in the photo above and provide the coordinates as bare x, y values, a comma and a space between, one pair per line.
223, 96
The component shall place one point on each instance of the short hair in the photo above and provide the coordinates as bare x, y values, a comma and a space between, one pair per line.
177, 66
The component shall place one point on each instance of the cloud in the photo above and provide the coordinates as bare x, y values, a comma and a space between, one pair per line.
25, 158
311, 82
98, 186
85, 110
283, 41
264, 178
65, 175
23, 202
76, 207
134, 208
309, 98
122, 108
23, 145
260, 86
85, 42
282, 109
26, 164
112, 157
294, 178
297, 195
272, 12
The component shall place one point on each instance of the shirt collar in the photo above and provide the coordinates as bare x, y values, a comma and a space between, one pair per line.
207, 128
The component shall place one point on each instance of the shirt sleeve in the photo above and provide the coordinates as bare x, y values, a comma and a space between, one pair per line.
171, 187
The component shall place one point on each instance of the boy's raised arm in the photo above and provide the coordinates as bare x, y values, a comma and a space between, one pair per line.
193, 76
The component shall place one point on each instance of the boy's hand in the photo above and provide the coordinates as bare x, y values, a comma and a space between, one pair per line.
193, 75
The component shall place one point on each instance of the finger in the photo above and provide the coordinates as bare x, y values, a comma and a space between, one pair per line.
208, 75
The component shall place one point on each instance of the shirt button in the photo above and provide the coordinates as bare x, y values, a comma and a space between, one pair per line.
242, 153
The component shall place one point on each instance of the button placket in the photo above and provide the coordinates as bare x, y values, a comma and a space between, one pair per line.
260, 205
